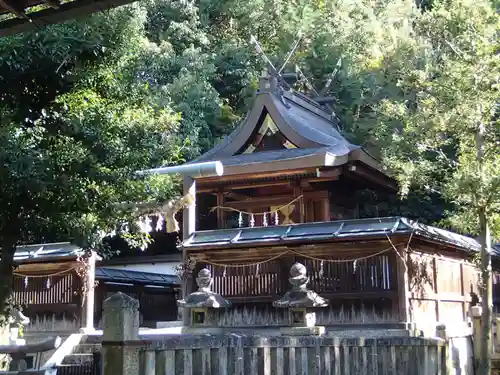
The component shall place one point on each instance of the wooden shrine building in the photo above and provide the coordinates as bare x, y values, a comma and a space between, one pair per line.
288, 194
51, 281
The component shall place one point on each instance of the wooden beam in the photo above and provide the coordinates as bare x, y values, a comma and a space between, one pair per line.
321, 179
326, 173
261, 202
53, 3
364, 173
237, 196
236, 255
50, 16
214, 189
12, 7
257, 175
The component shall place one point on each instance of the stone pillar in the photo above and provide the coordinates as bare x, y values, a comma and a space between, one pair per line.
476, 312
446, 357
121, 325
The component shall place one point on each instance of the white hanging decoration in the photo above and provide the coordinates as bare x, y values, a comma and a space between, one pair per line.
354, 264
26, 282
257, 270
160, 222
252, 221
142, 225
147, 224
276, 218
321, 271
264, 219
240, 220
224, 272
48, 283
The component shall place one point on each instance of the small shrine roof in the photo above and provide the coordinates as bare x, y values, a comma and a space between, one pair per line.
136, 277
312, 232
47, 251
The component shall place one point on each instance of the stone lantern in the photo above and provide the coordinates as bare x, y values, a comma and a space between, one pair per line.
301, 304
202, 304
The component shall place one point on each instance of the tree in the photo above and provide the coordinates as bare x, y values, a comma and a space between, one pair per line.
77, 121
451, 128
183, 67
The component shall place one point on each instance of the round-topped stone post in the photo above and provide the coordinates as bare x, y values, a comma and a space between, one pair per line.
201, 306
301, 304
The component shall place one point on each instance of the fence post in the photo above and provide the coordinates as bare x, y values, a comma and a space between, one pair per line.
476, 312
121, 325
446, 355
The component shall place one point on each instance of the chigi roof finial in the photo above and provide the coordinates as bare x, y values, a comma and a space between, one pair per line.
274, 79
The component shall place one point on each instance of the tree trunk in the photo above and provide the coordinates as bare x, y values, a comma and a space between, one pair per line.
487, 297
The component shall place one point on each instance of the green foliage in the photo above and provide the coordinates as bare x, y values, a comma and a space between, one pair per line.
433, 142
74, 129
87, 103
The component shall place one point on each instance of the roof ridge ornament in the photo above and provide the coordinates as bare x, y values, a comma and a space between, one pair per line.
276, 81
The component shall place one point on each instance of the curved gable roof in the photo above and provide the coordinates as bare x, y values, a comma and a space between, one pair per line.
302, 121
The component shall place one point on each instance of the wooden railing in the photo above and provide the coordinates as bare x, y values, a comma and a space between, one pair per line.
237, 355
18, 353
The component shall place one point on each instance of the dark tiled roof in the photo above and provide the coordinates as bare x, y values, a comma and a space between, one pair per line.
50, 250
136, 277
310, 232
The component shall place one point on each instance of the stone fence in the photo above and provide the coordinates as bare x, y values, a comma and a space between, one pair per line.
125, 354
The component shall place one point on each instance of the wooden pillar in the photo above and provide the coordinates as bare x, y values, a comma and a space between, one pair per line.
297, 192
188, 225
189, 213
285, 263
90, 297
324, 206
435, 286
403, 286
463, 292
310, 211
220, 213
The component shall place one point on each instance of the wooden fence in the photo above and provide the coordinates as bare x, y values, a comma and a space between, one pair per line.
124, 353
236, 355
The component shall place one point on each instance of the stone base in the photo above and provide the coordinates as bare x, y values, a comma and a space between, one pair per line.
302, 331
